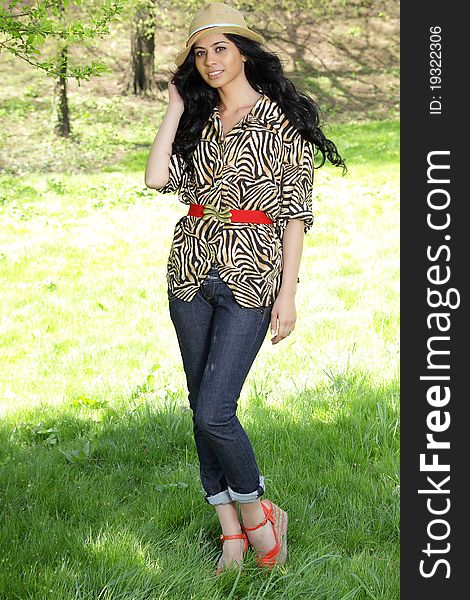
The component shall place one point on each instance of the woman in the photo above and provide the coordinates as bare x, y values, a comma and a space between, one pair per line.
237, 144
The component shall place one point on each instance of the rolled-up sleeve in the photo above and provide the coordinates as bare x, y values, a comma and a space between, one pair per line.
176, 175
296, 185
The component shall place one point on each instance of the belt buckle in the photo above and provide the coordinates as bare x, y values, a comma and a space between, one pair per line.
210, 210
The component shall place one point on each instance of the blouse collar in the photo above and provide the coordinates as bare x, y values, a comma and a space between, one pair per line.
261, 111
254, 112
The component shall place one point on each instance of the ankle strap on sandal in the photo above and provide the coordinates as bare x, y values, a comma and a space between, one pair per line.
268, 511
263, 522
235, 536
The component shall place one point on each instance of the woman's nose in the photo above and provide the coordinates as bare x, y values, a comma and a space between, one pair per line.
210, 58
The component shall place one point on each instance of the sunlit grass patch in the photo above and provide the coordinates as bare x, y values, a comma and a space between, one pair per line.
99, 478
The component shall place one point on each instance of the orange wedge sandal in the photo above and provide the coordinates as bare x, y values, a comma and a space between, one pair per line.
278, 518
236, 536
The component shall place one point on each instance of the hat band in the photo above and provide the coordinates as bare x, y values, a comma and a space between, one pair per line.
213, 25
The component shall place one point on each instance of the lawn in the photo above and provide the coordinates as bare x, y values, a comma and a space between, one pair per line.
99, 485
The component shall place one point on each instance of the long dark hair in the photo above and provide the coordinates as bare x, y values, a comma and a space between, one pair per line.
265, 73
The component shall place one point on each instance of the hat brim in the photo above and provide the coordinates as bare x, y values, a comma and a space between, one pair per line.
181, 56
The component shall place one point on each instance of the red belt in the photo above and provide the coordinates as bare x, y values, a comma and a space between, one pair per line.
228, 215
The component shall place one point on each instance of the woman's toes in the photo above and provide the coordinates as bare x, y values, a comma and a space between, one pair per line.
232, 551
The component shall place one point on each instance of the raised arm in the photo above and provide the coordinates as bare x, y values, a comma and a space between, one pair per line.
157, 168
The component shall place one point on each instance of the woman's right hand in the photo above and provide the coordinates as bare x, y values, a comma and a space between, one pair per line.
174, 97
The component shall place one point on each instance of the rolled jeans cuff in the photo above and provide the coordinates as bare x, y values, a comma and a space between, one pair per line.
220, 498
229, 495
251, 497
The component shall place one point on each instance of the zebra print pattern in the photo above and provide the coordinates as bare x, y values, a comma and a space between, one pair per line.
262, 163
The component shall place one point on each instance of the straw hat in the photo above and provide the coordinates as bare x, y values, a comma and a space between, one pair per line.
215, 17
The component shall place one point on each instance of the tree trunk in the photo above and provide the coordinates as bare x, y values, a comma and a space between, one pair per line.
139, 79
61, 107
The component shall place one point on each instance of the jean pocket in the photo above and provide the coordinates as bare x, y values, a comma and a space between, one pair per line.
262, 310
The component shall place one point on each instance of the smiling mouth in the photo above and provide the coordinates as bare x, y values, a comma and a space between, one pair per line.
214, 74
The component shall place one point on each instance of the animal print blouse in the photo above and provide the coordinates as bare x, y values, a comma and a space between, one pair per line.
262, 163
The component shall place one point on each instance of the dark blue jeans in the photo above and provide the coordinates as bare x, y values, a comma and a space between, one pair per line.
219, 340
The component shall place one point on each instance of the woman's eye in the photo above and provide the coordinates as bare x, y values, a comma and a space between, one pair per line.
201, 52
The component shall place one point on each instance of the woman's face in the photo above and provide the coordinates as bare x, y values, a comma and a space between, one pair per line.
218, 60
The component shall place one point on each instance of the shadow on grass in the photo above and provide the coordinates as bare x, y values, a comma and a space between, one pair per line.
103, 502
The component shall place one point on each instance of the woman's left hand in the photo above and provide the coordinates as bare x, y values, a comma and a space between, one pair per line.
283, 314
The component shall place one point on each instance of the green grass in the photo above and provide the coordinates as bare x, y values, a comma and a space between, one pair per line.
99, 485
